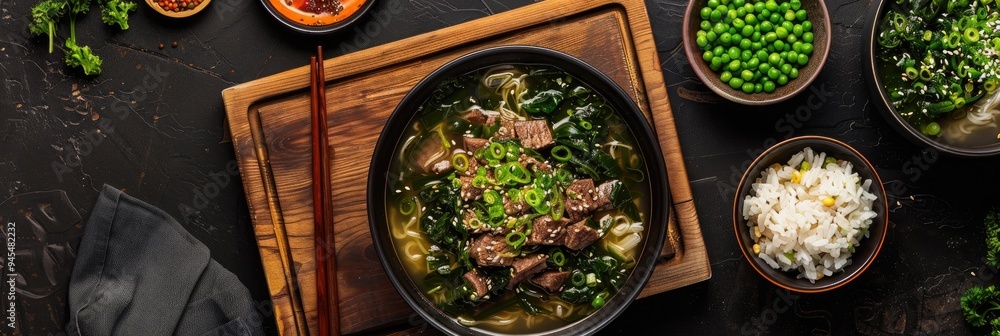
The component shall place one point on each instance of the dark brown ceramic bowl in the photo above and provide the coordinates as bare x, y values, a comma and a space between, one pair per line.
864, 254
818, 15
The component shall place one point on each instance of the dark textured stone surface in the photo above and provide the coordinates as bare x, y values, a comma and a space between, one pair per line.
152, 124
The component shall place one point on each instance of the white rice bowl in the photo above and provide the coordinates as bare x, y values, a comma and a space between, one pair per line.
794, 229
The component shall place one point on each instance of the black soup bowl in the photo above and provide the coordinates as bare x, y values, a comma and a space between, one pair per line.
406, 113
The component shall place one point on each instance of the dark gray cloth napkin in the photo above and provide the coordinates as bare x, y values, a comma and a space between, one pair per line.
139, 272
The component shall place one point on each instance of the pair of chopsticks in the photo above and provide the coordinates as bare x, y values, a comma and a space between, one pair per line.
327, 306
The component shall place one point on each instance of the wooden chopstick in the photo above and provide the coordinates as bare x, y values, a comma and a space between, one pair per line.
327, 306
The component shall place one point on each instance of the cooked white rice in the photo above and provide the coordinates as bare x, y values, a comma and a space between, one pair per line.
793, 228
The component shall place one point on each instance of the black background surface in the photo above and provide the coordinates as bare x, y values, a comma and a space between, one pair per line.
160, 117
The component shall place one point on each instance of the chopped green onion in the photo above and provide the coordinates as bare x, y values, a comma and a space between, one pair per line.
516, 239
533, 197
491, 196
561, 153
407, 205
496, 151
591, 280
460, 162
578, 279
558, 258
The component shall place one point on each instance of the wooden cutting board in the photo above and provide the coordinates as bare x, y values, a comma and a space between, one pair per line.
269, 121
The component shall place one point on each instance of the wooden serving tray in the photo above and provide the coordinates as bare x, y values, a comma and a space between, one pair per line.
269, 121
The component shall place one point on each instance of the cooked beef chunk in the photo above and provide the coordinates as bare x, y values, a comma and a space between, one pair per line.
478, 283
525, 267
507, 129
545, 231
580, 235
491, 250
468, 191
551, 281
512, 208
472, 144
475, 117
441, 167
579, 199
534, 134
602, 198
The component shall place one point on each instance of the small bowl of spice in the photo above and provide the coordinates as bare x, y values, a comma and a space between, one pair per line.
317, 16
178, 8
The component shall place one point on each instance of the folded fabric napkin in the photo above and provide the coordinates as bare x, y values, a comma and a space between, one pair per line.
139, 272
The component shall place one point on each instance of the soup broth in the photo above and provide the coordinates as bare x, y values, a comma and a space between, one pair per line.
505, 173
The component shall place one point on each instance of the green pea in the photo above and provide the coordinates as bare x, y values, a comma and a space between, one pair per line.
758, 87
807, 26
726, 76
741, 12
746, 55
782, 80
711, 36
748, 87
705, 25
801, 15
725, 58
774, 58
766, 26
797, 30
706, 13
789, 15
738, 3
781, 32
788, 25
734, 53
736, 39
762, 56
716, 15
736, 83
701, 41
732, 15
792, 39
746, 44
759, 7
720, 28
771, 5
750, 19
747, 75
770, 37
707, 56
779, 45
803, 59
739, 23
794, 73
792, 55
716, 62
756, 36
713, 3
747, 31
796, 4
752, 64
807, 37
719, 50
756, 46
764, 67
784, 55
775, 18
797, 46
768, 86
807, 48
722, 10
773, 73
724, 2
783, 7
786, 69
734, 65
725, 38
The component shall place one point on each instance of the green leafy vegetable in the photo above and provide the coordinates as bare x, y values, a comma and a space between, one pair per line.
981, 307
993, 238
44, 17
82, 57
116, 12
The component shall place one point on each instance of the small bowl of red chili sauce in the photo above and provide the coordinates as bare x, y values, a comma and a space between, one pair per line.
317, 16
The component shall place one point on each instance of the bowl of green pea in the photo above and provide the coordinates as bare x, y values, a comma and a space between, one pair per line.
757, 52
